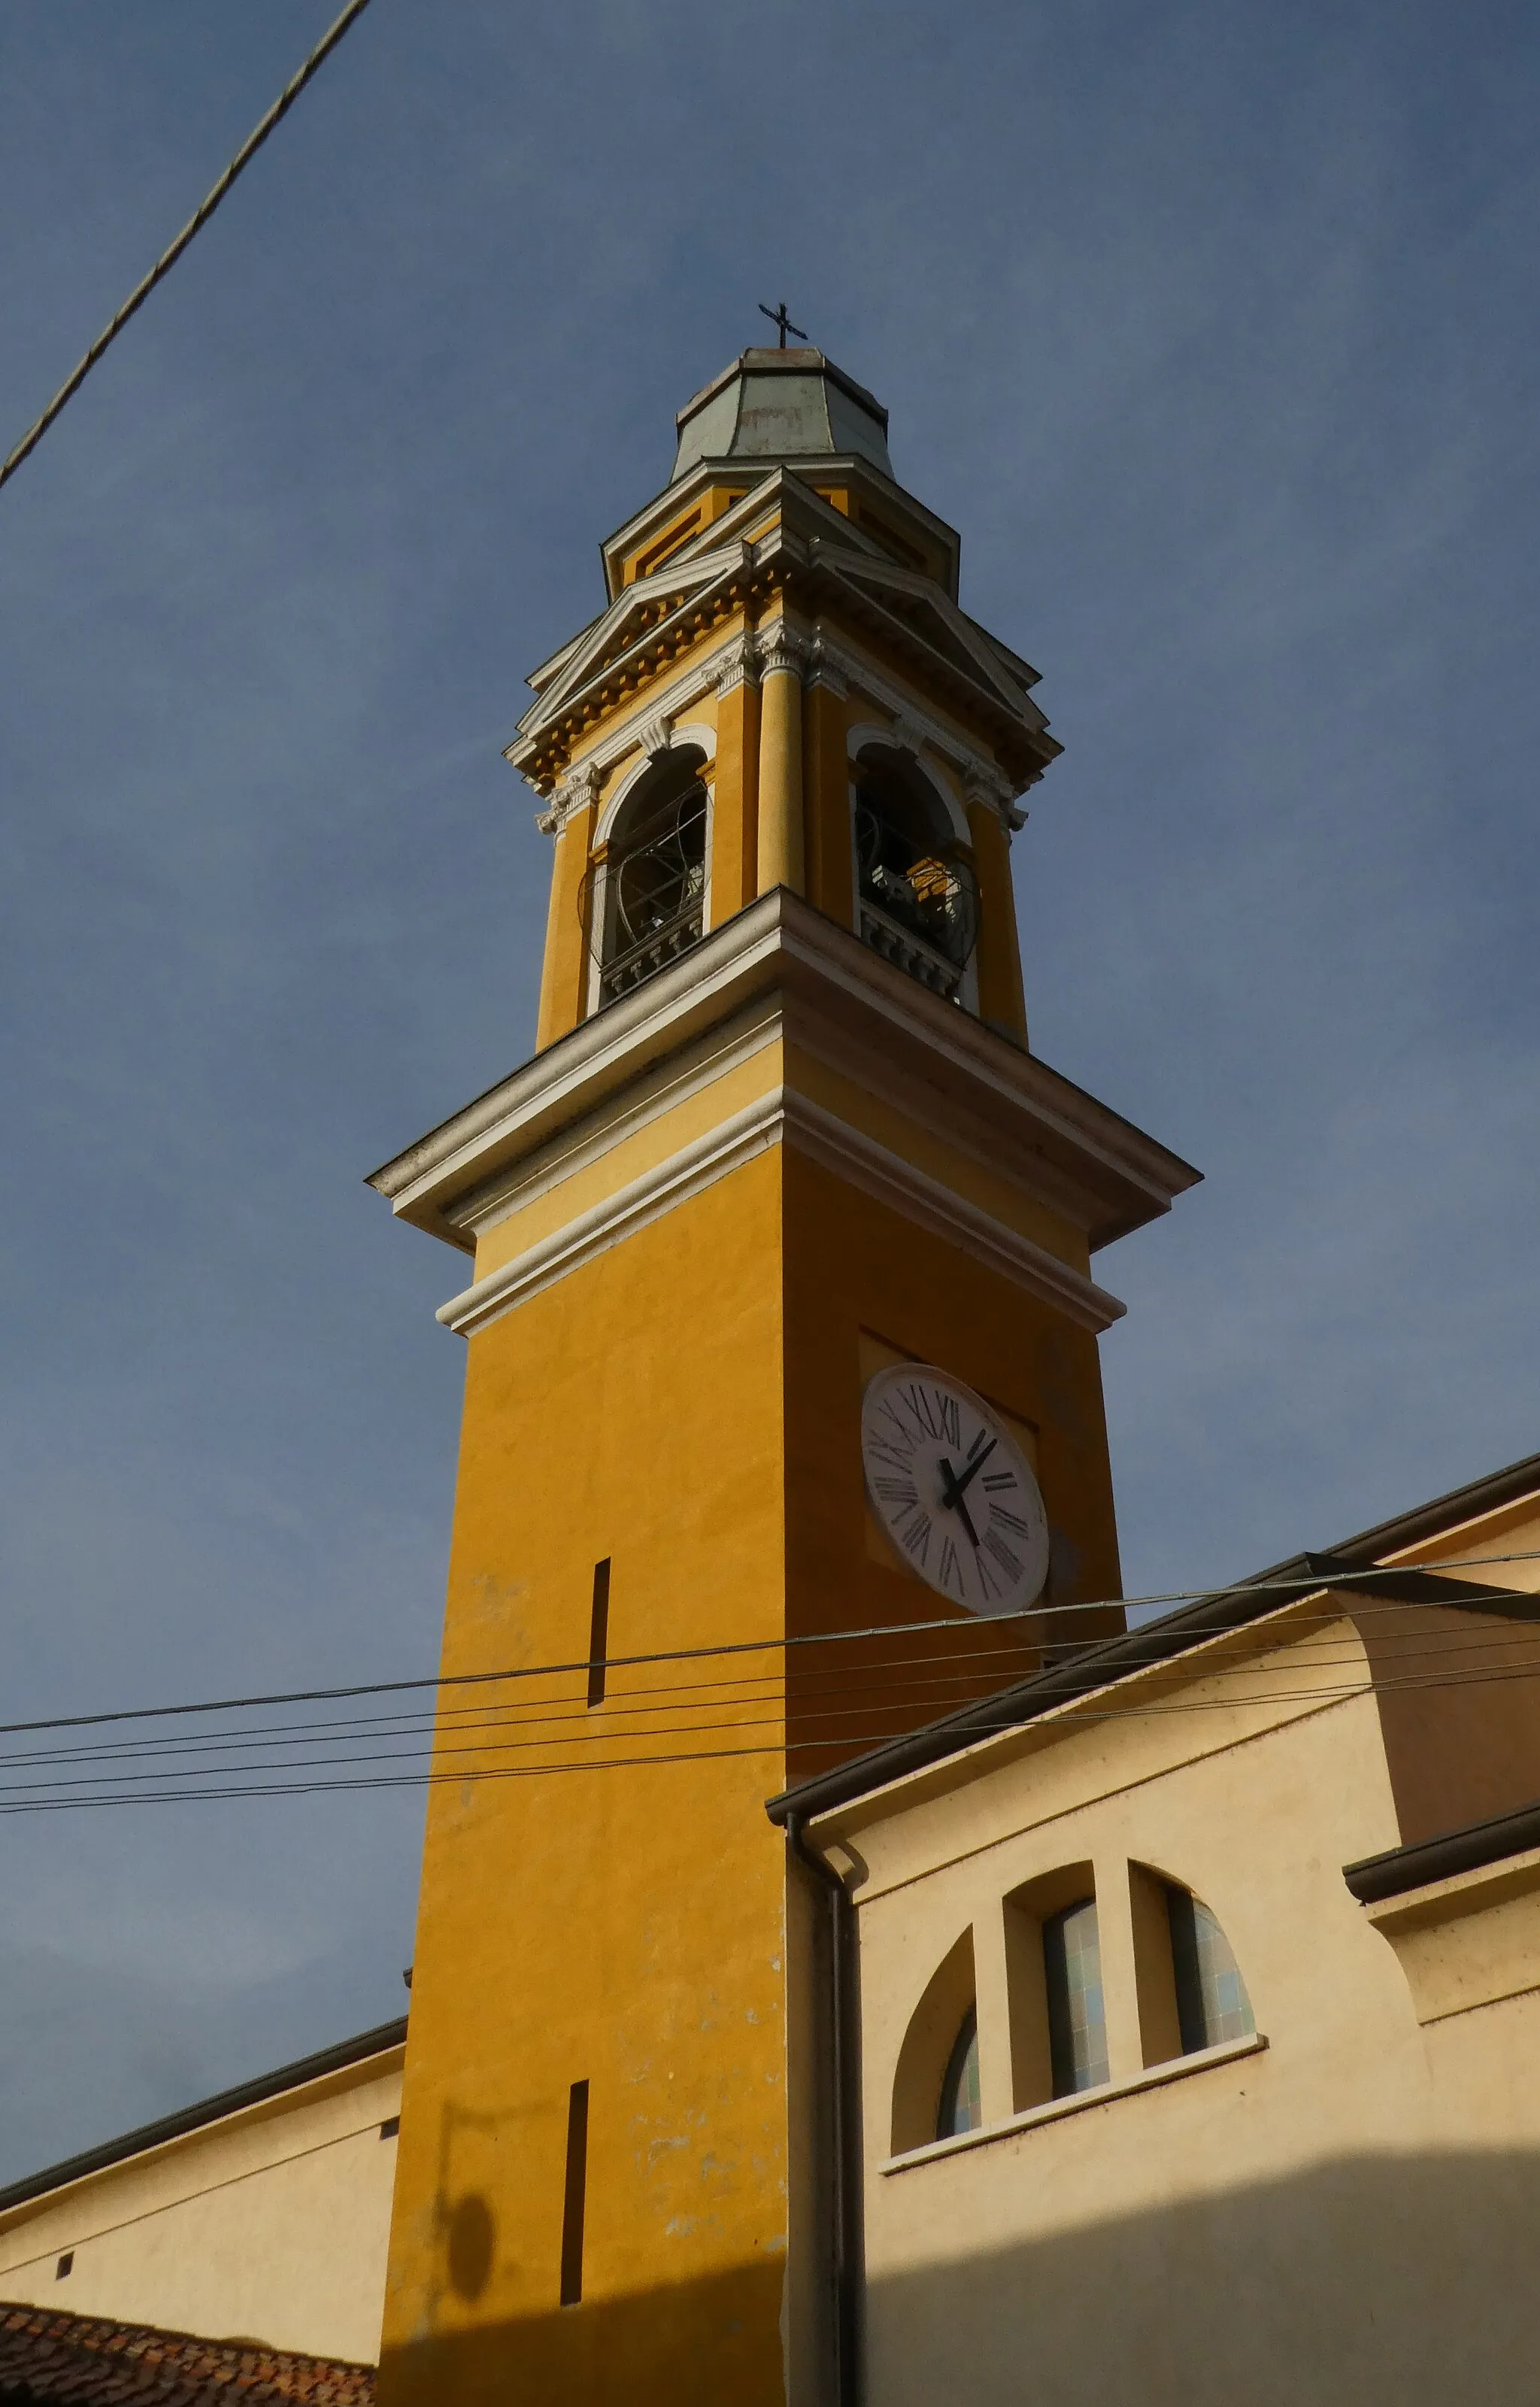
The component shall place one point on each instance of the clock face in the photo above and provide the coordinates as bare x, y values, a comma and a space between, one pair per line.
953, 1489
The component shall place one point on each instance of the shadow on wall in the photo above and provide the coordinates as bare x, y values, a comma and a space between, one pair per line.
1358, 2283
696, 2344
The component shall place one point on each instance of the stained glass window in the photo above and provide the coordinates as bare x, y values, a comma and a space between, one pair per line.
1077, 2020
1211, 2000
960, 2110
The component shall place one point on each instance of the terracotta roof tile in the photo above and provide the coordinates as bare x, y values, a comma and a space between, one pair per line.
64, 2360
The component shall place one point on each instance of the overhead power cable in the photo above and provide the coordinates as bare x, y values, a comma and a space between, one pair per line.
199, 218
895, 1684
1412, 1658
19, 1802
1299, 1584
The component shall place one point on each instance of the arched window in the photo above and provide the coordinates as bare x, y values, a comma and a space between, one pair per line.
960, 2109
918, 899
653, 886
937, 2076
1077, 2017
1211, 2000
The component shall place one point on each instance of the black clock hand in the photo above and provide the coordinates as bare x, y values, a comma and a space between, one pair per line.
974, 1465
952, 1497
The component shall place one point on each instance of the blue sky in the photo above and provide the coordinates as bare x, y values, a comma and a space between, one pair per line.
1212, 328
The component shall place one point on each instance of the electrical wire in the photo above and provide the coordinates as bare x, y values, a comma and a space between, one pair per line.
23, 1797
899, 1690
199, 218
847, 1708
1300, 1585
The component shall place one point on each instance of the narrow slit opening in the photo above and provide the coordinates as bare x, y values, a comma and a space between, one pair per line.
576, 2185
598, 1634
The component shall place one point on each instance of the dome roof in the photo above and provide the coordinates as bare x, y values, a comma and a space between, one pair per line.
775, 404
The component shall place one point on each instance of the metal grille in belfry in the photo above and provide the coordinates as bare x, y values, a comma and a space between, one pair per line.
658, 890
919, 905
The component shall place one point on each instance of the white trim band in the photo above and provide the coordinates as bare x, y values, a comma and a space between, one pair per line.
783, 1115
1154, 2077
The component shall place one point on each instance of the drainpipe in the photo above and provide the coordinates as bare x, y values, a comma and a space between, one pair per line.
846, 2152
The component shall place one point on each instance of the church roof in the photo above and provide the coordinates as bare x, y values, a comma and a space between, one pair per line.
790, 404
337, 2059
57, 2359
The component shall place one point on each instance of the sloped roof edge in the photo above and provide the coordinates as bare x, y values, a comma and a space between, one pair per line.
48, 2354
305, 2069
1347, 1565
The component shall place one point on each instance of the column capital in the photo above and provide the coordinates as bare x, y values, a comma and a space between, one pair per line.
990, 788
579, 787
822, 671
782, 649
738, 663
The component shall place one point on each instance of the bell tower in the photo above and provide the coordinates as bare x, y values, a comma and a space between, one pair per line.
781, 1135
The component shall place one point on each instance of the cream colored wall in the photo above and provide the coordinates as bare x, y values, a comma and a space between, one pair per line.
1345, 2213
271, 2225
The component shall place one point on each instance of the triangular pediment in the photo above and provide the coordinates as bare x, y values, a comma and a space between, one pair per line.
639, 611
919, 607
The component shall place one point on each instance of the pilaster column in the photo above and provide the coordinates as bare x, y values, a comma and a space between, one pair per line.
1001, 1001
781, 838
993, 1987
827, 804
564, 974
735, 805
1119, 1969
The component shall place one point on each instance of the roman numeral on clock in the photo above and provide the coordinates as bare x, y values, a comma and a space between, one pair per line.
914, 1537
900, 1492
1010, 1563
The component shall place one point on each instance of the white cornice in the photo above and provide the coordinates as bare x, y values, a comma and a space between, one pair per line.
890, 1179
579, 1147
658, 705
695, 1166
798, 478
832, 657
782, 1116
920, 725
1052, 1139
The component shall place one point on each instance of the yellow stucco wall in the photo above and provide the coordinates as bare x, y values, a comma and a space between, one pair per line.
270, 2225
686, 1405
626, 1928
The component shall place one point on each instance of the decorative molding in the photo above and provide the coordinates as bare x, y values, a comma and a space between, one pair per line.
822, 670
1086, 1161
579, 787
654, 742
739, 663
625, 734
779, 1116
693, 734
656, 736
980, 785
539, 1173
921, 727
686, 1172
858, 738
782, 650
890, 1179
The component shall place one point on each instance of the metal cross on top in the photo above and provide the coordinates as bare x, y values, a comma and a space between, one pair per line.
778, 318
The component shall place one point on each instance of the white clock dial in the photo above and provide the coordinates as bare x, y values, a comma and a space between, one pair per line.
953, 1489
